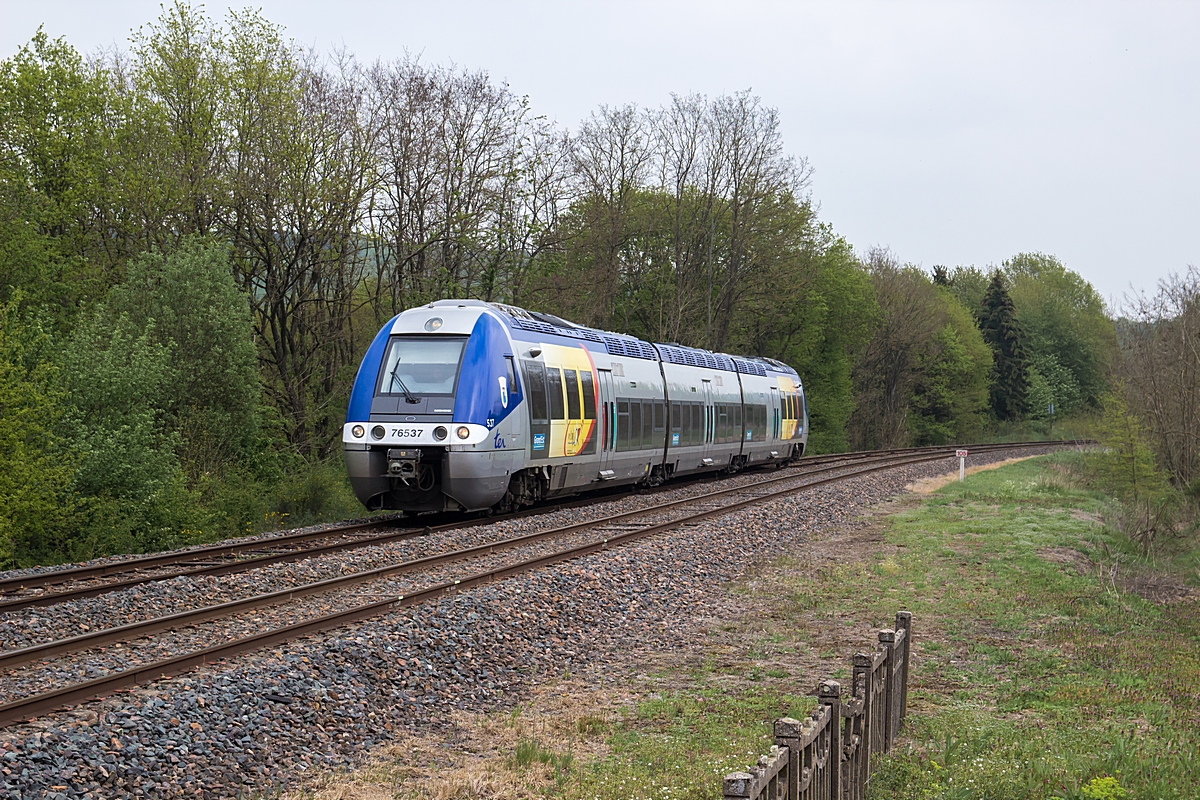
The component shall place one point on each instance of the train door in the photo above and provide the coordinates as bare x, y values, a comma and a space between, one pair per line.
710, 423
539, 409
773, 410
607, 417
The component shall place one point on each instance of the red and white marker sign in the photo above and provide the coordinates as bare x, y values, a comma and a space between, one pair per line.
961, 453
962, 464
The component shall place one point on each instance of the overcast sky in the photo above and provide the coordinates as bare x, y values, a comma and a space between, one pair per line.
953, 133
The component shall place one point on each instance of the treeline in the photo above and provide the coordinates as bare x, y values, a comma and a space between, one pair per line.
199, 236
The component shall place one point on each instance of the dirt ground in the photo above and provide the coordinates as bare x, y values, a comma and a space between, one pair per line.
929, 485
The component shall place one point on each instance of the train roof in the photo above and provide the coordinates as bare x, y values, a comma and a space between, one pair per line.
620, 344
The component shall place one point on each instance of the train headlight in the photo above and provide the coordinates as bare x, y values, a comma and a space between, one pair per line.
463, 432
377, 432
440, 432
357, 431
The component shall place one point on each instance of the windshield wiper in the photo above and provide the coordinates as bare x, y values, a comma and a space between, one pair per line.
409, 396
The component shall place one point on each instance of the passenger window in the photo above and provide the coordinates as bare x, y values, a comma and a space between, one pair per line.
536, 375
659, 415
635, 425
554, 389
676, 423
572, 393
589, 395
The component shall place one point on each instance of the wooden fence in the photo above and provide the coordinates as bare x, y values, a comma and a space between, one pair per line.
827, 756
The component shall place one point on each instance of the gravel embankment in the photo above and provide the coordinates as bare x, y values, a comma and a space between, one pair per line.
269, 717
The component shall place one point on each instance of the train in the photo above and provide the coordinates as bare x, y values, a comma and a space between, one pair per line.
466, 405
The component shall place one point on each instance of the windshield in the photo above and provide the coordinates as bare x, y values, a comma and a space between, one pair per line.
420, 366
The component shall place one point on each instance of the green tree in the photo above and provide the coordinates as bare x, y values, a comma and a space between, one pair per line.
56, 123
179, 90
1064, 322
1050, 383
129, 480
969, 285
888, 369
188, 304
818, 326
1126, 467
36, 465
1002, 332
950, 397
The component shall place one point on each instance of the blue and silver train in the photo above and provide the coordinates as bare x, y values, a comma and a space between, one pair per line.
463, 405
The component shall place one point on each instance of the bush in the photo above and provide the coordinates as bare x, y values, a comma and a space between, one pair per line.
1147, 505
36, 465
314, 492
1105, 787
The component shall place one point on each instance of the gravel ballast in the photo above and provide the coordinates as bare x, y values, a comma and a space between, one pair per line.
267, 718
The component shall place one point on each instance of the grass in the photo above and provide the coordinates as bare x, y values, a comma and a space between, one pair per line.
1036, 673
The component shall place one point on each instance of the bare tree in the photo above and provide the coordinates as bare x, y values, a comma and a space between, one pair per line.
299, 176
612, 155
1160, 368
754, 171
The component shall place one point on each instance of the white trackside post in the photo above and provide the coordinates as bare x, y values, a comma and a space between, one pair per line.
962, 465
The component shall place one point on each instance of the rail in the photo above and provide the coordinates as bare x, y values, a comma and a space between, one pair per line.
828, 755
239, 556
32, 706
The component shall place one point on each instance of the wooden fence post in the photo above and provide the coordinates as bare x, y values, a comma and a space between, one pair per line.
787, 734
904, 623
887, 642
830, 695
863, 682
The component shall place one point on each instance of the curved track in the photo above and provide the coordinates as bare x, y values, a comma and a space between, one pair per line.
37, 589
582, 538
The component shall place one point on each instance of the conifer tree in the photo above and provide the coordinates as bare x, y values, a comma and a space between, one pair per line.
1002, 332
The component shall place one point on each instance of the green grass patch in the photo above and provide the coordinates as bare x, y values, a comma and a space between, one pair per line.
681, 743
1037, 672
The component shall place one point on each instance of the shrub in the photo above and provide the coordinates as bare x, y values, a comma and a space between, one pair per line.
1105, 787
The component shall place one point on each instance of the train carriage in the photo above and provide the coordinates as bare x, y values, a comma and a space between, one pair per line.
467, 405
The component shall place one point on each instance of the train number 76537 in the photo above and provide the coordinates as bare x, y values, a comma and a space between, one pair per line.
406, 433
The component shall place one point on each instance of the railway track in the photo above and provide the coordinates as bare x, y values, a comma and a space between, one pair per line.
579, 539
43, 588
39, 589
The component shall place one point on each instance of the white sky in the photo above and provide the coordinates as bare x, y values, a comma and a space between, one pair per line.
952, 132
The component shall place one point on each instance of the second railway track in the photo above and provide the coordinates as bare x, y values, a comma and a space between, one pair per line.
288, 620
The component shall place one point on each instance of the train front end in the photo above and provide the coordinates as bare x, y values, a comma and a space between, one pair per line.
433, 421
